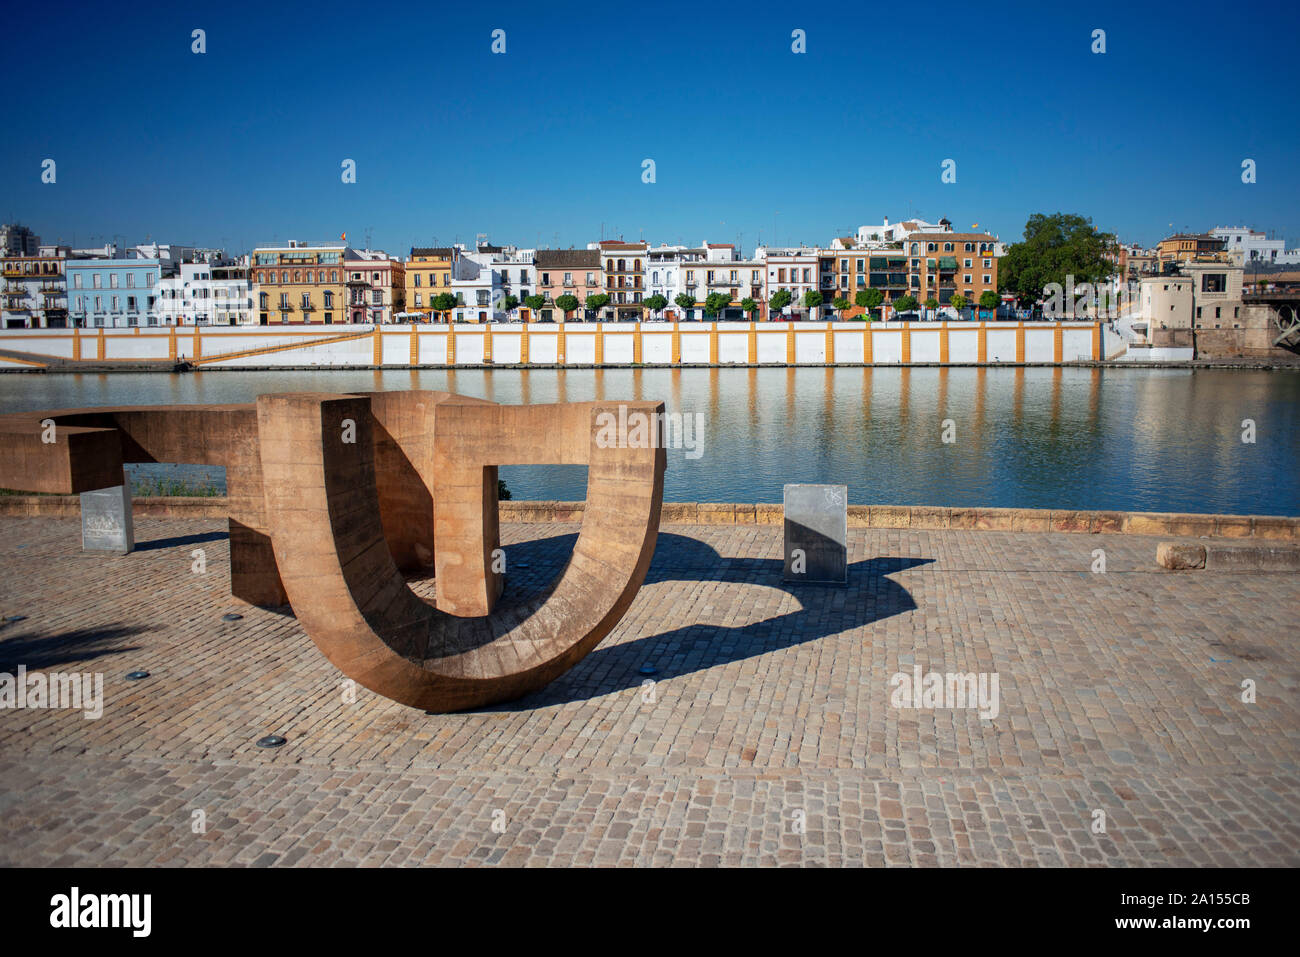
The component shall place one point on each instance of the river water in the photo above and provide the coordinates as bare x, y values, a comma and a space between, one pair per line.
1131, 439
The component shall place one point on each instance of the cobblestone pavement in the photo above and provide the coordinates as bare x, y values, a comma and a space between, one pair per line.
768, 736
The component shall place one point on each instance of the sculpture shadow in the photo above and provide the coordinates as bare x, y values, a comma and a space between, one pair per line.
826, 610
47, 651
180, 540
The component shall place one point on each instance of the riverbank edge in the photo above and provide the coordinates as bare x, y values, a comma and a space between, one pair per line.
1275, 527
1260, 365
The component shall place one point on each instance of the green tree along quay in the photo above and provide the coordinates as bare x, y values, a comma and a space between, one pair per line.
1055, 246
656, 302
685, 301
715, 302
780, 299
989, 300
958, 301
905, 304
811, 300
597, 301
511, 303
932, 304
750, 306
841, 304
534, 302
870, 300
444, 302
567, 303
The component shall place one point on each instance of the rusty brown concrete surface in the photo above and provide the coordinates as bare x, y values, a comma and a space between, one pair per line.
331, 496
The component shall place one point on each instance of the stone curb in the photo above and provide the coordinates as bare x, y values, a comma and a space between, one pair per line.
1283, 528
1228, 558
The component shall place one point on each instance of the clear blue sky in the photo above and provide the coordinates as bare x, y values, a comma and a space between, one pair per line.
543, 144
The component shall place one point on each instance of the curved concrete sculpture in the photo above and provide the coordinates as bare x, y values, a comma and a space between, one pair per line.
330, 495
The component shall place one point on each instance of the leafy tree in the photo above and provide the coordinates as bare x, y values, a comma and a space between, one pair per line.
841, 304
444, 302
511, 303
715, 302
870, 300
685, 301
597, 301
534, 302
905, 304
1055, 246
567, 303
750, 306
958, 301
780, 299
656, 302
932, 304
812, 299
989, 299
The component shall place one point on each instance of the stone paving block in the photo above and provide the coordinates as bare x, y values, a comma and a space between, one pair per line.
1118, 691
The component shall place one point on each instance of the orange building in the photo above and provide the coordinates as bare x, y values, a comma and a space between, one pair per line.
940, 265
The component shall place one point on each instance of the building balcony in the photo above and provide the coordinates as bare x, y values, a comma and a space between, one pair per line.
307, 307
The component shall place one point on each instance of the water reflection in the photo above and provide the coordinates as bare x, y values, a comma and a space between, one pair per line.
1143, 439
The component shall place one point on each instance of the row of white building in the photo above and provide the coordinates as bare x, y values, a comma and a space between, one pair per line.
160, 284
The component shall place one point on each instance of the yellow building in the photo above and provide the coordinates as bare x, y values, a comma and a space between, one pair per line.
1191, 247
300, 282
428, 274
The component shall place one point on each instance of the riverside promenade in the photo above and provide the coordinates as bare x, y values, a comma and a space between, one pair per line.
766, 735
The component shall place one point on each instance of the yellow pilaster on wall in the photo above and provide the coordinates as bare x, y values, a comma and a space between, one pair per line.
487, 345
198, 343
1096, 343
76, 343
1058, 343
415, 345
907, 343
1020, 342
753, 343
830, 343
600, 345
636, 344
789, 343
559, 345
523, 345
982, 344
101, 344
677, 344
171, 342
713, 345
451, 343
866, 343
943, 343
377, 347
